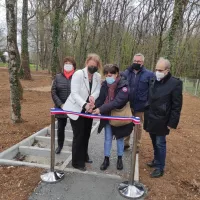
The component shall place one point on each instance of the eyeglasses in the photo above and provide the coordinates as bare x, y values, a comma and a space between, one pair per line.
160, 70
137, 61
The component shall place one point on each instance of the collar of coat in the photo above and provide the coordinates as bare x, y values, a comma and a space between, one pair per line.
65, 76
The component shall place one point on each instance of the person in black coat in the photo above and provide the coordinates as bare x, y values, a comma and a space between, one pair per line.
60, 90
162, 112
114, 94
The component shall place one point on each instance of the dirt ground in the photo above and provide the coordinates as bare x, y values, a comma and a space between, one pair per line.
182, 174
19, 182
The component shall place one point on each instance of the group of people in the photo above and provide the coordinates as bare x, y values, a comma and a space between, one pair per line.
154, 97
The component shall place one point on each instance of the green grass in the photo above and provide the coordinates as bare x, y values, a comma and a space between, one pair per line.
3, 64
190, 86
32, 66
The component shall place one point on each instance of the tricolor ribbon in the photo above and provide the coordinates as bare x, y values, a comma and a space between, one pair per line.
135, 120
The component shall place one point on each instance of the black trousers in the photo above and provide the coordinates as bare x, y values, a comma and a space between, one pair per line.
61, 131
81, 134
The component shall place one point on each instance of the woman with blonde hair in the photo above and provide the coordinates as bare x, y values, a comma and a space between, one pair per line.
85, 88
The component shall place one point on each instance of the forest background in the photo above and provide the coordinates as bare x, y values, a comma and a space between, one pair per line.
40, 33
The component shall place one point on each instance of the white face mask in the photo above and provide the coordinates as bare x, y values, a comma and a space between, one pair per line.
159, 75
68, 67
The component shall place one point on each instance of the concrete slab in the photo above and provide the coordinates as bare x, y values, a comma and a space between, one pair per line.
12, 151
68, 133
47, 145
46, 139
35, 150
42, 160
76, 186
42, 152
20, 163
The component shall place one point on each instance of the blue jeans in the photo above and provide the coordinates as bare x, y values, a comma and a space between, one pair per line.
159, 147
108, 142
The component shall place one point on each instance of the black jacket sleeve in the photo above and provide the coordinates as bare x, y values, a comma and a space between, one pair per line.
176, 105
54, 95
120, 100
124, 74
102, 97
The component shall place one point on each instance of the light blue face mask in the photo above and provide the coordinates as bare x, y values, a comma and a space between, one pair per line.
110, 80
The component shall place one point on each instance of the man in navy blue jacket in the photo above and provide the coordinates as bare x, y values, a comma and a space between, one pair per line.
138, 78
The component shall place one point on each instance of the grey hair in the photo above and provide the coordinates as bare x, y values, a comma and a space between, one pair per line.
166, 61
139, 54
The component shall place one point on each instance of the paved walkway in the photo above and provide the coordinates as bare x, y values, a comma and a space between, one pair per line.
93, 184
76, 186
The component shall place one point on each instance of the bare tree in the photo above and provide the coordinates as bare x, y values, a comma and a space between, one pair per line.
56, 34
116, 30
24, 42
176, 25
13, 64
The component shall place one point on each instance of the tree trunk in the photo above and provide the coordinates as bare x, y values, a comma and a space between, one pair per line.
176, 24
41, 38
83, 21
13, 64
55, 66
56, 32
24, 38
37, 40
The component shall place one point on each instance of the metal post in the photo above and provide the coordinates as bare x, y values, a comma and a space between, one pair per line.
52, 143
133, 159
132, 189
52, 176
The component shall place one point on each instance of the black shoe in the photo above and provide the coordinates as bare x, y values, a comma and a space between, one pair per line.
151, 164
157, 173
119, 163
58, 150
126, 147
105, 163
79, 168
87, 160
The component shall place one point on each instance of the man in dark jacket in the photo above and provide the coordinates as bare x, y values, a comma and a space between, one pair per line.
138, 78
162, 113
